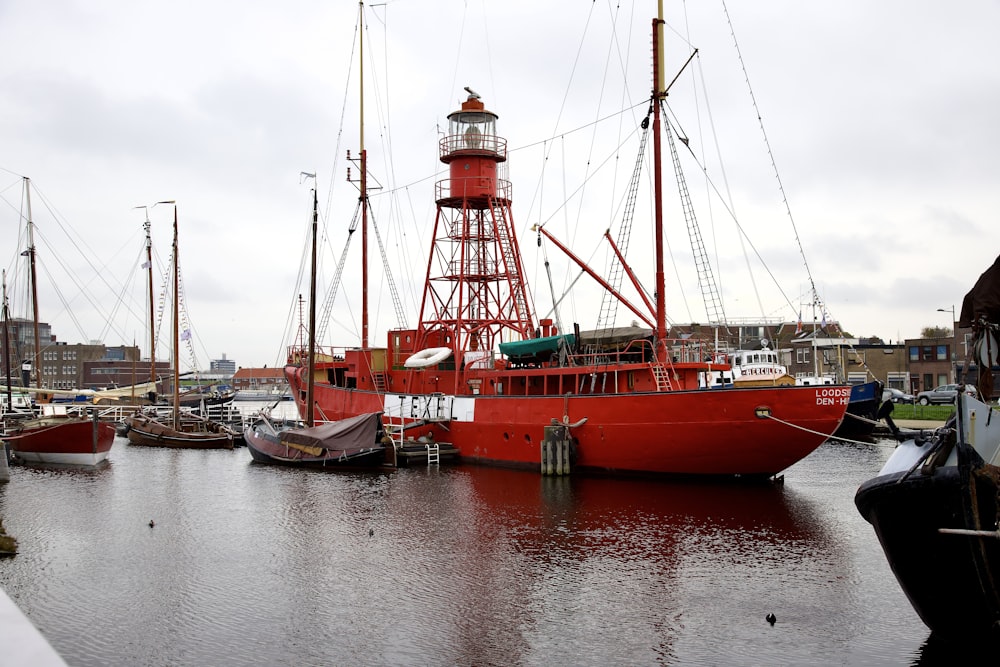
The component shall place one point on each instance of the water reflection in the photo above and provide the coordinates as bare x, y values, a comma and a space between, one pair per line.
540, 563
252, 564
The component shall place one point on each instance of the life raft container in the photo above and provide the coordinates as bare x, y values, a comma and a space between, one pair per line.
428, 357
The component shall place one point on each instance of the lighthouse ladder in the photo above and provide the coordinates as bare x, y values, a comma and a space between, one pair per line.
511, 264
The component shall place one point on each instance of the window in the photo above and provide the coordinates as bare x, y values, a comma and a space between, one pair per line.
914, 353
897, 380
942, 353
802, 355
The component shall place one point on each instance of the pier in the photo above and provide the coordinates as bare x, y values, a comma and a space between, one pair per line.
22, 643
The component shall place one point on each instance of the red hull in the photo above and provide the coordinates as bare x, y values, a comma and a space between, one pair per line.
722, 432
64, 440
480, 372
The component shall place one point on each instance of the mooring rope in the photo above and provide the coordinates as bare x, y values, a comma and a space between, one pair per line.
848, 440
801, 428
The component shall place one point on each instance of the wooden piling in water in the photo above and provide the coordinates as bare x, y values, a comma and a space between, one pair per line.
556, 451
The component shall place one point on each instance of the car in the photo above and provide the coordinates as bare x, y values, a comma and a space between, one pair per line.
944, 394
897, 396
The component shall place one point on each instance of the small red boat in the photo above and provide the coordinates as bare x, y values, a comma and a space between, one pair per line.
61, 439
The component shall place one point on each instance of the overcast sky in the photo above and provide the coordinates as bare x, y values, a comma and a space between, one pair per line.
880, 116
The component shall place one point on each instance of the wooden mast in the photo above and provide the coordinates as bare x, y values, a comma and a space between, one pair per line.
176, 318
311, 365
152, 315
6, 345
36, 366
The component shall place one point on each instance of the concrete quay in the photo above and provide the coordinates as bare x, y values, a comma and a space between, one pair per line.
22, 643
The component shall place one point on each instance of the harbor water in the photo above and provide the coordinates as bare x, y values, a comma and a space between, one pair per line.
454, 565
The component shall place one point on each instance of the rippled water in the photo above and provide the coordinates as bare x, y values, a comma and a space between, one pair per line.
253, 565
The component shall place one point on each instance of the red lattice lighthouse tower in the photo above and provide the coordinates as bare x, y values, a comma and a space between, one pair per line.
475, 288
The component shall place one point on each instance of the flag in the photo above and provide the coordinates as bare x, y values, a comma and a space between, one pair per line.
186, 334
822, 322
798, 326
146, 265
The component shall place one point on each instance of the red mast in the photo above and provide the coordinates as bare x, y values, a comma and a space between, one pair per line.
364, 180
658, 95
474, 288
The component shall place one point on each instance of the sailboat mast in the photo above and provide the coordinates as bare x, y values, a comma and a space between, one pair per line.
152, 305
658, 95
311, 366
36, 366
6, 343
177, 346
364, 182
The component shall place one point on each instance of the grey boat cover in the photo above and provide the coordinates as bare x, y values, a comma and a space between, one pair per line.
351, 433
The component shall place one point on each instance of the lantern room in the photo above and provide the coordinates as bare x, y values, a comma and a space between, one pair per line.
473, 150
474, 126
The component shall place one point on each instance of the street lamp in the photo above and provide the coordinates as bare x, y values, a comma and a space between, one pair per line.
954, 338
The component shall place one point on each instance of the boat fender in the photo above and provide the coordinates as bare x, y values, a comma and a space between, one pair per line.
428, 357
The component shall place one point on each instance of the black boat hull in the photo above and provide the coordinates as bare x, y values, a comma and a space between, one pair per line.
950, 579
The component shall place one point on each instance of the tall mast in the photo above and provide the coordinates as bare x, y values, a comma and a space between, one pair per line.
175, 317
364, 182
152, 315
6, 344
311, 366
36, 366
658, 95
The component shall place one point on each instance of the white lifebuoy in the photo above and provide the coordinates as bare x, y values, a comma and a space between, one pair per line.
428, 357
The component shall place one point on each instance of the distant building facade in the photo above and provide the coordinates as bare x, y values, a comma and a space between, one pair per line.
933, 362
259, 379
222, 366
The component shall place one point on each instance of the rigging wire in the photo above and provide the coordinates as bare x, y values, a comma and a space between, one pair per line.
770, 154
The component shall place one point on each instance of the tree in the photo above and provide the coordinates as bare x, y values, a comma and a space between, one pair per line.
936, 332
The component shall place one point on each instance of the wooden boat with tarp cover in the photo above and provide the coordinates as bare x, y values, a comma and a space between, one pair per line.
355, 442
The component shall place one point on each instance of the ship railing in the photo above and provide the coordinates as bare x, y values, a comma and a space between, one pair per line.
298, 355
488, 145
680, 351
472, 187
